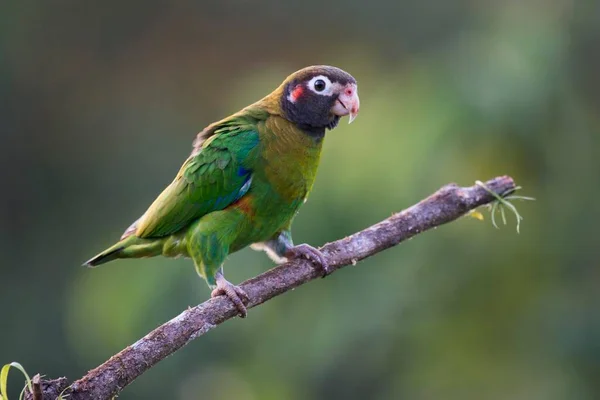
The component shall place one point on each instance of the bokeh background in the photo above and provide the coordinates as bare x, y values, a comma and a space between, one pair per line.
100, 103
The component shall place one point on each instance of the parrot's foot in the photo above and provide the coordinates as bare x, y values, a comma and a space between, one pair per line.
314, 255
238, 297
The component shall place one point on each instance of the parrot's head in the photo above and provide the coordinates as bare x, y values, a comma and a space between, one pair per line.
317, 97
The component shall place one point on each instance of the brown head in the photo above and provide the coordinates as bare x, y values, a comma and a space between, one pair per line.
316, 97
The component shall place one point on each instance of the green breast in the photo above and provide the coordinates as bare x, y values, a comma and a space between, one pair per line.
290, 158
283, 177
284, 173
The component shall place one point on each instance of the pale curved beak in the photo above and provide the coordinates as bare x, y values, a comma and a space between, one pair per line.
347, 102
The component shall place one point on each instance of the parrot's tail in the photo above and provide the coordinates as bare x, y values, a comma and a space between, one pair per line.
130, 247
104, 257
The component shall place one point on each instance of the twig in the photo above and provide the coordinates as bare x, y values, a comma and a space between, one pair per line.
445, 205
37, 387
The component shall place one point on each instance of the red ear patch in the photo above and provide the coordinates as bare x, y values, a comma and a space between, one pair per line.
297, 92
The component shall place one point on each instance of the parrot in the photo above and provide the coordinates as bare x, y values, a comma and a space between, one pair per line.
244, 182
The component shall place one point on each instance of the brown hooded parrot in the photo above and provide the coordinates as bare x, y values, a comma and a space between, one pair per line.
243, 183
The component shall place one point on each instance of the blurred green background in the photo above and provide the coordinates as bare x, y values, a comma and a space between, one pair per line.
101, 101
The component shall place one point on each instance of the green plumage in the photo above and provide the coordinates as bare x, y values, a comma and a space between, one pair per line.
243, 184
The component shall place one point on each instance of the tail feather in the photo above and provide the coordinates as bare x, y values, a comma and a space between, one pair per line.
118, 250
129, 247
107, 255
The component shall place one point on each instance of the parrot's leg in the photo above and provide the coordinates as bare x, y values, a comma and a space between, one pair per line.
277, 247
208, 243
235, 293
281, 248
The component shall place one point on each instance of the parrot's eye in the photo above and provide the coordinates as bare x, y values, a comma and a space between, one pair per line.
320, 85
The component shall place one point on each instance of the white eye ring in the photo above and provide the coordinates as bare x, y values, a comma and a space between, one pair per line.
326, 91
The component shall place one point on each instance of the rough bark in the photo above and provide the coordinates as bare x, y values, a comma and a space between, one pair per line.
445, 205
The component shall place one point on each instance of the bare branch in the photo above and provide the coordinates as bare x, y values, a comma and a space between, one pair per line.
445, 205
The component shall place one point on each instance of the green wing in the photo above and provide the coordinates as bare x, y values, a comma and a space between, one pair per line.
210, 180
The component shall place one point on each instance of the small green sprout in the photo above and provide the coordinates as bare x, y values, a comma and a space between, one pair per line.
4, 380
502, 203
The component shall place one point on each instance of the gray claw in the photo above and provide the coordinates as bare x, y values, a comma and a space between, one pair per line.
312, 254
238, 297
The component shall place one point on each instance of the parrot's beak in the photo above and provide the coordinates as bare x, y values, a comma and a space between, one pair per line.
347, 103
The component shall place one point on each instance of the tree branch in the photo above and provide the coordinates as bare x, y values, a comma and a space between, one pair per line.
445, 205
